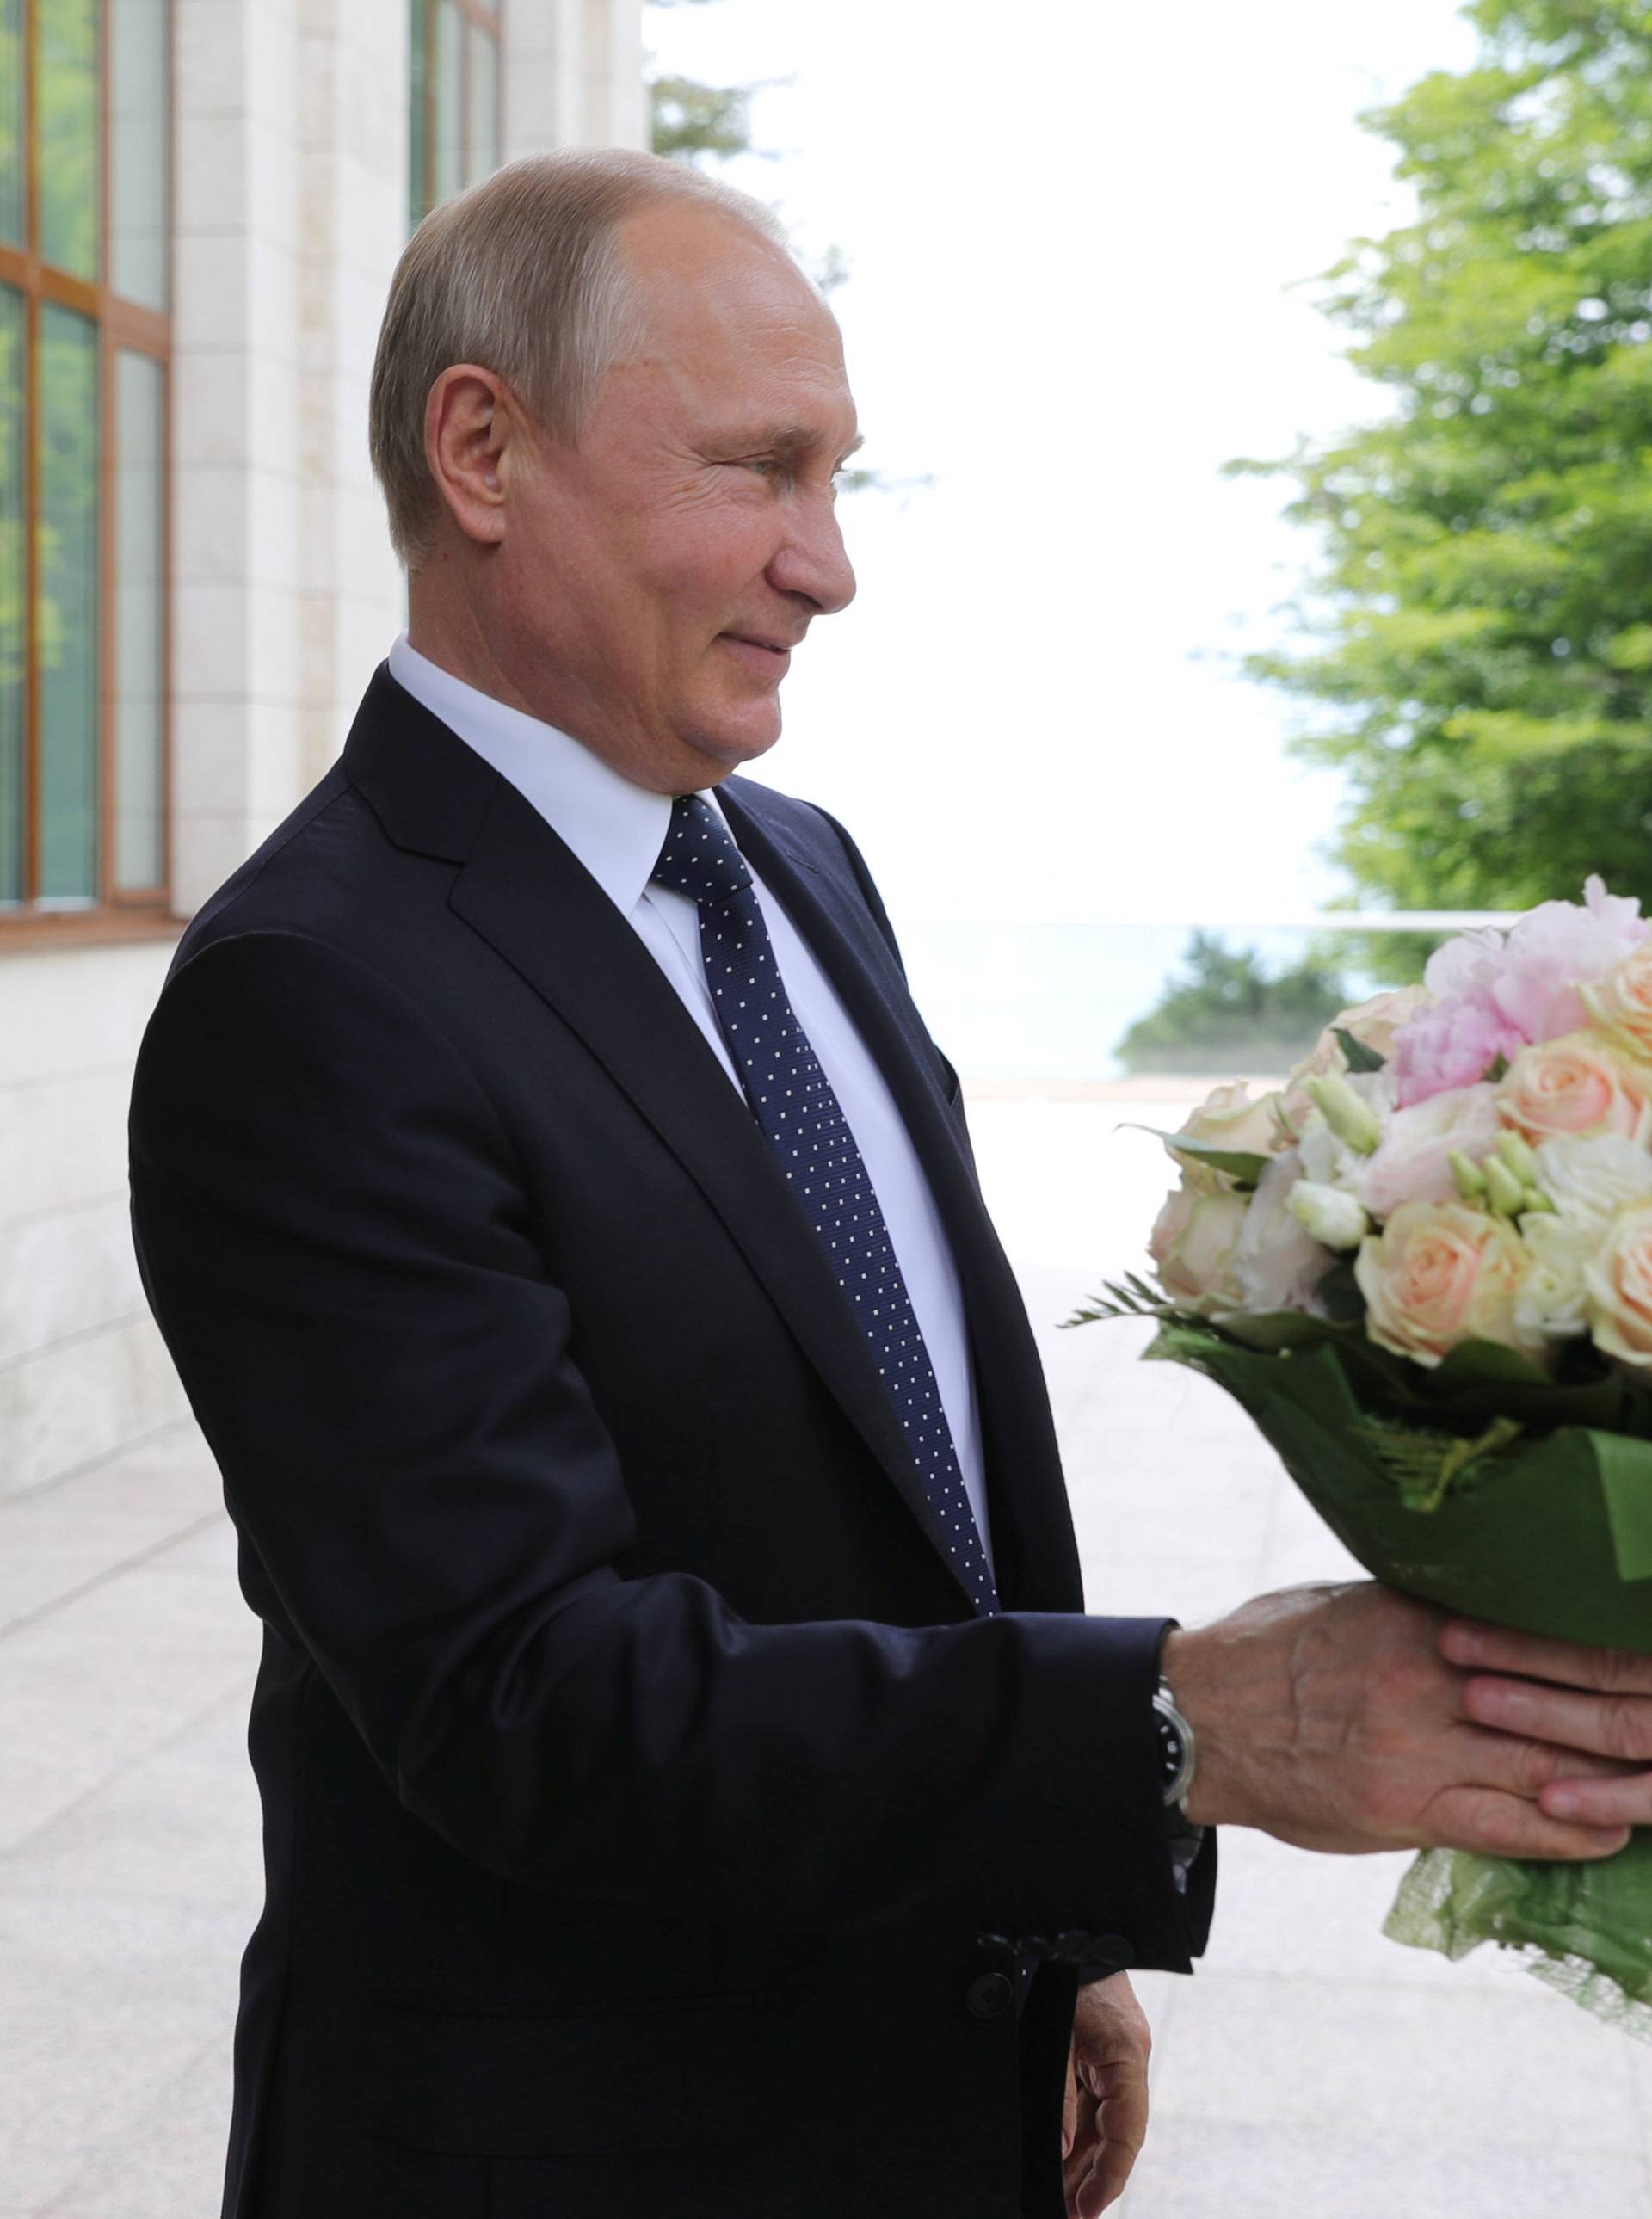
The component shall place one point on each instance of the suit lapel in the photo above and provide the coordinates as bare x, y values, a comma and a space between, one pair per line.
1026, 1502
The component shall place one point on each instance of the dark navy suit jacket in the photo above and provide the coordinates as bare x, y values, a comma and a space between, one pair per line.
650, 1825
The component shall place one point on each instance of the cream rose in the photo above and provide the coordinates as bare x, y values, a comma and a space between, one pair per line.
1620, 1004
1439, 1273
1228, 1118
1575, 1086
1374, 1023
1618, 1283
1194, 1245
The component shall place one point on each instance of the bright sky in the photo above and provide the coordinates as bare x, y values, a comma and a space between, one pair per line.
1070, 225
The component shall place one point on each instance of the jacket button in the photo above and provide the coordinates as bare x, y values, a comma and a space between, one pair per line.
990, 1996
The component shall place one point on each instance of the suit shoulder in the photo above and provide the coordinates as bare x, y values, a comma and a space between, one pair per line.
326, 873
806, 823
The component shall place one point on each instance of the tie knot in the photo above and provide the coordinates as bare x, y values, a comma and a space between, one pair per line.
700, 857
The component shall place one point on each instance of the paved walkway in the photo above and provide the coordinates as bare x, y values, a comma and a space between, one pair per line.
1311, 2067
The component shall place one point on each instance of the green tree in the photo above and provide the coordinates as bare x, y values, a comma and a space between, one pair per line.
1225, 1011
687, 118
1479, 632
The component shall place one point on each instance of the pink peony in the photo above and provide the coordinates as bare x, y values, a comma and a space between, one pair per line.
1497, 993
1558, 947
1449, 1047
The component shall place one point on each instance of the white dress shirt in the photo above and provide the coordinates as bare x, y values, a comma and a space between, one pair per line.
617, 830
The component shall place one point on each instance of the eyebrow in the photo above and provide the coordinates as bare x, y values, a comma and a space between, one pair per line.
792, 439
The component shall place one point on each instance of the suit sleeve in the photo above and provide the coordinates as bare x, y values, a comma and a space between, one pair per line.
330, 1221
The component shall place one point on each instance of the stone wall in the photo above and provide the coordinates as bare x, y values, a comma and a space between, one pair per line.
290, 162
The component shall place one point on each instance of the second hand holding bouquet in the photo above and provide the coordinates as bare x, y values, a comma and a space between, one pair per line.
1424, 1266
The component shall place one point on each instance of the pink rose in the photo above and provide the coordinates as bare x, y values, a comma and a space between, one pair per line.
1572, 1087
1412, 1161
1439, 1274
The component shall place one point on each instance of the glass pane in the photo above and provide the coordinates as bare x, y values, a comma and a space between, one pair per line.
483, 103
139, 405
12, 333
448, 173
66, 609
11, 121
138, 150
65, 91
418, 77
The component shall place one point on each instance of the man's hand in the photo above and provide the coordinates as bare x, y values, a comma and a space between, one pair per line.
1104, 2120
1329, 1717
1600, 1701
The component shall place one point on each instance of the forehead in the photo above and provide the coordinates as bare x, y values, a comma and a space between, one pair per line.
728, 318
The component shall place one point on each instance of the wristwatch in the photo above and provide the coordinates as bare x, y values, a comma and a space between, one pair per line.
1177, 1750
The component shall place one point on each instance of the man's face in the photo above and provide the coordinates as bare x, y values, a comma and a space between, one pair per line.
658, 574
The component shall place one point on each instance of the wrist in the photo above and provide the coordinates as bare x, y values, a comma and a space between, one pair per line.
1182, 1663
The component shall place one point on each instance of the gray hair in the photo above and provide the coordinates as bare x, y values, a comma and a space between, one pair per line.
518, 273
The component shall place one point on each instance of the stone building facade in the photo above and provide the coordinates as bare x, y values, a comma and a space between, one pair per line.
200, 205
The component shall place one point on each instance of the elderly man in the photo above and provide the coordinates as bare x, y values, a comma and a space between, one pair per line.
691, 1784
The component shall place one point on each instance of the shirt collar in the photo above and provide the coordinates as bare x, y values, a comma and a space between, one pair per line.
614, 826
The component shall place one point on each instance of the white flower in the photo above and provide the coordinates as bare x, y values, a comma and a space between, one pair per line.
1592, 1178
1412, 1163
1552, 1300
1328, 1214
1589, 1181
1277, 1264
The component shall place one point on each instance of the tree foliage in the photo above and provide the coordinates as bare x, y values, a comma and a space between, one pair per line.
689, 118
1225, 1011
1479, 633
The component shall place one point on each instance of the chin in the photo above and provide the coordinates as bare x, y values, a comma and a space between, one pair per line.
725, 743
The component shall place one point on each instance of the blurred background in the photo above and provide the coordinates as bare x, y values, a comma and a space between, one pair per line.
1253, 538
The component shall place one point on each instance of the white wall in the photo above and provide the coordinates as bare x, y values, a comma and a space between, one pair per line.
290, 171
83, 1370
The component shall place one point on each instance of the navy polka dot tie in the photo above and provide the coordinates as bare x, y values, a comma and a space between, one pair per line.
803, 1122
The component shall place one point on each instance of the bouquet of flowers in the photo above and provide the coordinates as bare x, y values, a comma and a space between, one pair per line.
1424, 1267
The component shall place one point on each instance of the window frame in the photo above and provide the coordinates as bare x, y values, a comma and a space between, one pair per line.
115, 912
480, 15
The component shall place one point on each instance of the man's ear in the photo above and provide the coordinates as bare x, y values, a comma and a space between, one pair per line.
470, 420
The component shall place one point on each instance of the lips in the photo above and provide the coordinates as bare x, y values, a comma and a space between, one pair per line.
773, 658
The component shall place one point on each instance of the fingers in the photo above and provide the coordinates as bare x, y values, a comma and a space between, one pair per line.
1624, 1799
1501, 1825
1119, 2089
1495, 1649
1069, 2111
1618, 1725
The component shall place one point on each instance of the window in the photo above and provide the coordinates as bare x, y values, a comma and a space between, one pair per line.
84, 277
455, 137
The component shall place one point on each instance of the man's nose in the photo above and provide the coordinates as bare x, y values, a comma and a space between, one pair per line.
813, 562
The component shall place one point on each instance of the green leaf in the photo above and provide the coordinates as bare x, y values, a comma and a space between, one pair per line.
1625, 1468
1486, 1363
1244, 1168
1356, 1053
